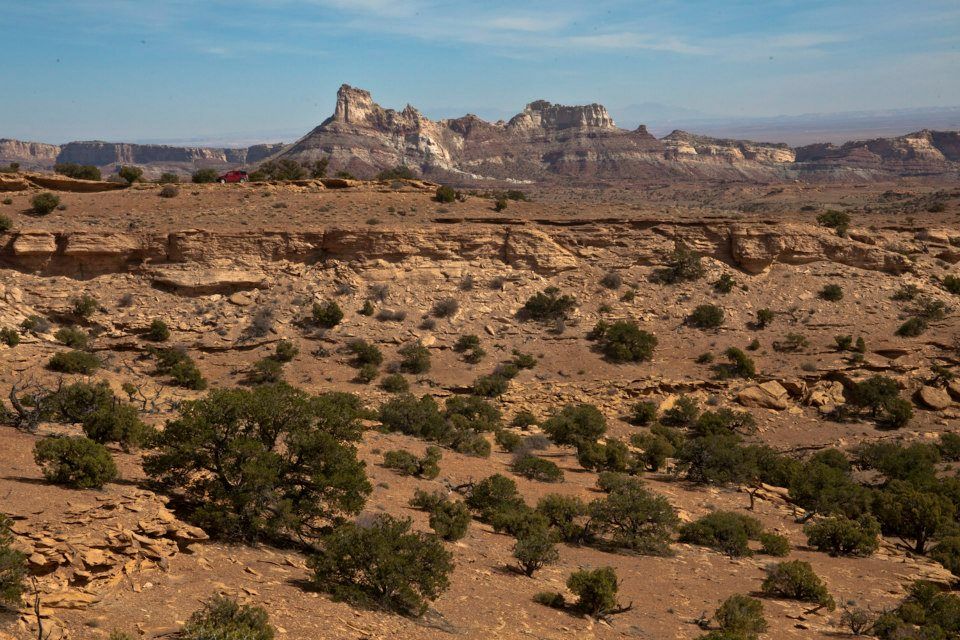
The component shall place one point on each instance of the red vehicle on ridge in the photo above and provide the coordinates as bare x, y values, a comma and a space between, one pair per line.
233, 176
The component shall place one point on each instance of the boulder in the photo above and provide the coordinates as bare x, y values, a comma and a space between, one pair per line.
825, 393
768, 395
954, 389
934, 398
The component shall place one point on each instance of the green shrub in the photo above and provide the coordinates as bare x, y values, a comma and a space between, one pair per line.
366, 374
610, 455
843, 342
329, 314
73, 362
740, 365
77, 171
534, 550
285, 351
612, 280
168, 178
832, 293
9, 337
552, 599
414, 417
880, 396
549, 305
265, 371
130, 174
563, 515
44, 203
158, 331
204, 176
681, 265
655, 450
631, 517
75, 461
574, 424
951, 284
523, 420
84, 306
394, 383
414, 358
72, 337
643, 413
445, 194
724, 284
445, 308
596, 590
364, 353
683, 413
223, 619
741, 616
534, 468
791, 343
13, 567
912, 328
383, 563
5, 223
116, 422
450, 520
947, 553
839, 220
796, 580
492, 494
624, 341
508, 440
466, 343
706, 316
491, 386
841, 536
724, 531
186, 374
408, 464
236, 454
949, 446
774, 544
399, 172
914, 514
764, 318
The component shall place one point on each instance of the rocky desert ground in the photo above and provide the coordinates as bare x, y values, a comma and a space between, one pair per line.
232, 271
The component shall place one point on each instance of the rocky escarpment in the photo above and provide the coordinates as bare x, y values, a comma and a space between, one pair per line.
106, 153
36, 155
915, 153
680, 144
195, 261
548, 141
543, 140
30, 155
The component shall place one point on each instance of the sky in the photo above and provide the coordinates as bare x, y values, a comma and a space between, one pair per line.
250, 70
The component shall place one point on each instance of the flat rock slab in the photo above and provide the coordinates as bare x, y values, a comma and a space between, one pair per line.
207, 281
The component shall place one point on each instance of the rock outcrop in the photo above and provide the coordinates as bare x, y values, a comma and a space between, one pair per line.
916, 153
37, 155
196, 262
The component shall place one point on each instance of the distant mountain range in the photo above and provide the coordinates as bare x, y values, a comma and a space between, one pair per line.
547, 142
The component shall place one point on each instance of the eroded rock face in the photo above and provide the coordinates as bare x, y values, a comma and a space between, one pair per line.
753, 248
680, 144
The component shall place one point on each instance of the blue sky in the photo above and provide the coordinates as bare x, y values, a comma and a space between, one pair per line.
269, 69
